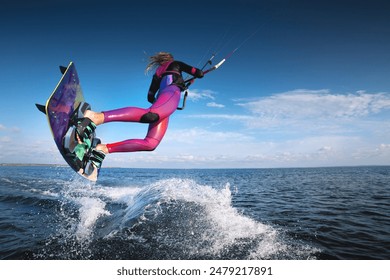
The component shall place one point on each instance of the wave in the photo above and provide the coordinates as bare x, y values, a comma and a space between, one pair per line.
169, 219
51, 213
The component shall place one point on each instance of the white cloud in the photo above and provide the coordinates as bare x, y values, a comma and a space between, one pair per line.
199, 135
311, 110
223, 117
12, 129
215, 105
320, 104
15, 129
196, 94
209, 149
5, 139
304, 128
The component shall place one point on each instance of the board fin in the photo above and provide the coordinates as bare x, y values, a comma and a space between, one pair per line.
63, 69
41, 108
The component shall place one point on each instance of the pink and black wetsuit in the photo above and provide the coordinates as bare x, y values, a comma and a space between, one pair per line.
168, 82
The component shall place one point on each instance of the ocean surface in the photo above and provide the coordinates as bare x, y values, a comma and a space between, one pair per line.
303, 213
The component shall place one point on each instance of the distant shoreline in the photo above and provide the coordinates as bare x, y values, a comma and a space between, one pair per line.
33, 164
109, 167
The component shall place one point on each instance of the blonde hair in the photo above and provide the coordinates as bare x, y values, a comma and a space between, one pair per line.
157, 60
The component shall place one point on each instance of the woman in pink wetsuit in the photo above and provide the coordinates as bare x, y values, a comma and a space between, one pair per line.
167, 83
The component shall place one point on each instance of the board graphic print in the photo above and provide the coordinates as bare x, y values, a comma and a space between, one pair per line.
59, 108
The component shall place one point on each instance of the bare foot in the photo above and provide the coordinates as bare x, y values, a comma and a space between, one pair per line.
97, 118
103, 148
99, 147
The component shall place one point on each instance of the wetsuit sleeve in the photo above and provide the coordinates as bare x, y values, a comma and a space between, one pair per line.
190, 70
154, 86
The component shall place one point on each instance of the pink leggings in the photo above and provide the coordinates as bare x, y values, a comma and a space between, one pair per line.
166, 103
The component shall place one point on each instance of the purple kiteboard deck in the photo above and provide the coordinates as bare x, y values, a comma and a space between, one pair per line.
59, 107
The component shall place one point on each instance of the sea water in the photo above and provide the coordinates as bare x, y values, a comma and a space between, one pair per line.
49, 212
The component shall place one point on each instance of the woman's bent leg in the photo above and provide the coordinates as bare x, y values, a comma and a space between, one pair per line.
165, 105
155, 133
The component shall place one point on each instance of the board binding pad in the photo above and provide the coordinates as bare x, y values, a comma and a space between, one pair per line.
60, 108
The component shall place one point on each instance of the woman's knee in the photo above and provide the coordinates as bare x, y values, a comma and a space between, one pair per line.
152, 143
149, 117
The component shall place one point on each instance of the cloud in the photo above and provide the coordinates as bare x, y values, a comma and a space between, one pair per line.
5, 139
203, 148
305, 128
215, 105
223, 117
320, 104
196, 94
315, 110
12, 129
205, 137
14, 151
376, 154
15, 129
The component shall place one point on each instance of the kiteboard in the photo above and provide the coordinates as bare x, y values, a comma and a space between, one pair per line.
60, 109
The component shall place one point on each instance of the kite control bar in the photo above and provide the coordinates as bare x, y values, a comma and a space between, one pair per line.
189, 82
216, 66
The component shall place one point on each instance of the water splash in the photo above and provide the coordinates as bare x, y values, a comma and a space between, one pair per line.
201, 221
91, 209
169, 219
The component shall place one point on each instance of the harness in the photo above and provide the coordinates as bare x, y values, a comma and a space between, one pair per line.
169, 77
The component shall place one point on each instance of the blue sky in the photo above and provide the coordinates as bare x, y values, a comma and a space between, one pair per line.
310, 87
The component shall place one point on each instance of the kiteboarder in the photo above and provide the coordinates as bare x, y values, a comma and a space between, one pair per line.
164, 94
